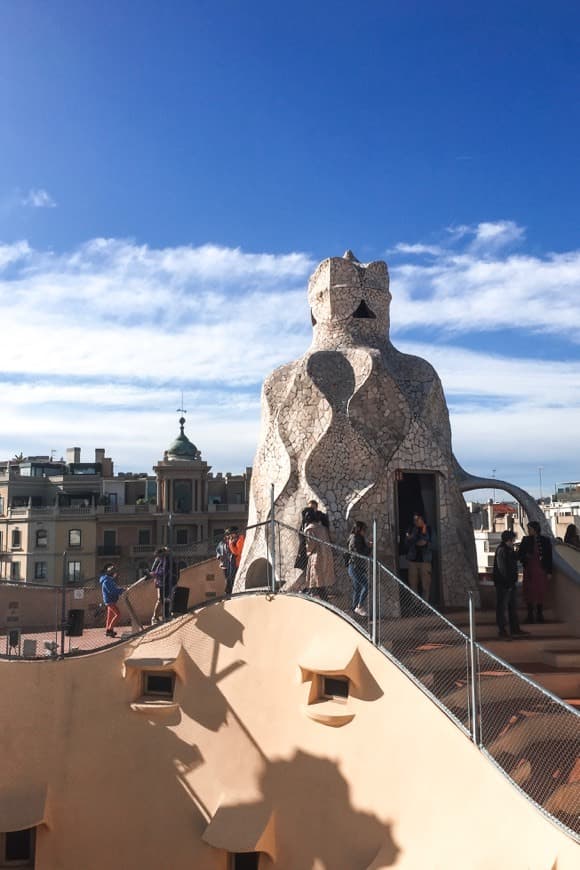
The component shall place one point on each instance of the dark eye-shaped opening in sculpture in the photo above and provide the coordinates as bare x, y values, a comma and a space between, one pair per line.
312, 318
363, 311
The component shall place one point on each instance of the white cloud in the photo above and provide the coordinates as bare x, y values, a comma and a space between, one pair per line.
418, 249
38, 198
98, 342
488, 235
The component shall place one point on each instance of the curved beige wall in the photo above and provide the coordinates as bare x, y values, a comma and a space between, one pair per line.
241, 763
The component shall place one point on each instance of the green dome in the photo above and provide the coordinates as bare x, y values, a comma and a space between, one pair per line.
182, 448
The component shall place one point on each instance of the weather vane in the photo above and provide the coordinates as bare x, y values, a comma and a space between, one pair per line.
182, 410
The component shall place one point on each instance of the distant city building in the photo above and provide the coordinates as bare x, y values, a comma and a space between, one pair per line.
561, 514
567, 492
66, 519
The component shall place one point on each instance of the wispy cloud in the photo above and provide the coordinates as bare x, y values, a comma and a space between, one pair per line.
98, 342
488, 235
38, 198
418, 249
472, 286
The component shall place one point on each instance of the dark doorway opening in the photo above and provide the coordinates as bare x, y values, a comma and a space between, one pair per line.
417, 493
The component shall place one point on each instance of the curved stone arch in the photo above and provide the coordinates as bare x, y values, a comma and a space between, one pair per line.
468, 482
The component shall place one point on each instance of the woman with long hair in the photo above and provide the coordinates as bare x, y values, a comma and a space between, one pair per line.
359, 549
535, 554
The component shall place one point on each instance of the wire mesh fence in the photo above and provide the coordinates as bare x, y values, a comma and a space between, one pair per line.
52, 621
532, 736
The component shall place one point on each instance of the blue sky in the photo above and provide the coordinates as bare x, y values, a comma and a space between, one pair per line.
171, 173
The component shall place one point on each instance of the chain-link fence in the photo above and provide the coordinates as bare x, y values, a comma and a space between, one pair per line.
532, 736
38, 620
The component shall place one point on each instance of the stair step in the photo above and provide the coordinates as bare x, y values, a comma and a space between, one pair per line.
564, 683
562, 658
487, 617
531, 649
483, 633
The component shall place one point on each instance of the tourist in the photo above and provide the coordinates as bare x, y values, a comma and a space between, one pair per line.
359, 547
111, 594
535, 553
309, 514
319, 515
505, 578
572, 538
227, 560
236, 544
161, 573
320, 566
419, 555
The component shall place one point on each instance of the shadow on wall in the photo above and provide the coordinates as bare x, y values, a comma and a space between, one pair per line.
303, 817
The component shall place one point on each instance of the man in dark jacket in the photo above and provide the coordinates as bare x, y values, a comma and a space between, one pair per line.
505, 577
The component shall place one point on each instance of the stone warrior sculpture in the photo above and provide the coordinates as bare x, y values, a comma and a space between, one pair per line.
345, 422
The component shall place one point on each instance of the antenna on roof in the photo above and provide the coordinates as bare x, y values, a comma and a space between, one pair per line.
182, 410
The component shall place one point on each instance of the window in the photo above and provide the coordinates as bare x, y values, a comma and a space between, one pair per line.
158, 684
335, 687
16, 539
245, 861
42, 538
17, 848
74, 538
1, 504
181, 537
73, 572
144, 537
0, 540
15, 570
40, 571
182, 501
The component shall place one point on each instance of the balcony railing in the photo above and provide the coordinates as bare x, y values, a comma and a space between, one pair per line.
127, 509
226, 508
109, 550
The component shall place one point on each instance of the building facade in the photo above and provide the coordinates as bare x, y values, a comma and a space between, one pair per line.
64, 520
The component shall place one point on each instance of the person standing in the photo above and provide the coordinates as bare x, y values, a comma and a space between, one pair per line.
419, 555
227, 560
535, 553
160, 571
505, 578
309, 514
319, 567
111, 594
572, 538
360, 549
236, 544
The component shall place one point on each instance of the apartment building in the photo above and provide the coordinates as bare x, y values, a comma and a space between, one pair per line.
65, 519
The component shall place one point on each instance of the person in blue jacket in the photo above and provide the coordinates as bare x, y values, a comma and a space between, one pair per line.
111, 594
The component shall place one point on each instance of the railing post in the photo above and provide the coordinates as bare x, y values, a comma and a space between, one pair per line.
374, 586
473, 671
63, 605
272, 542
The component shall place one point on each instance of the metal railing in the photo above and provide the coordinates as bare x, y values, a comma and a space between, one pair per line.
531, 735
